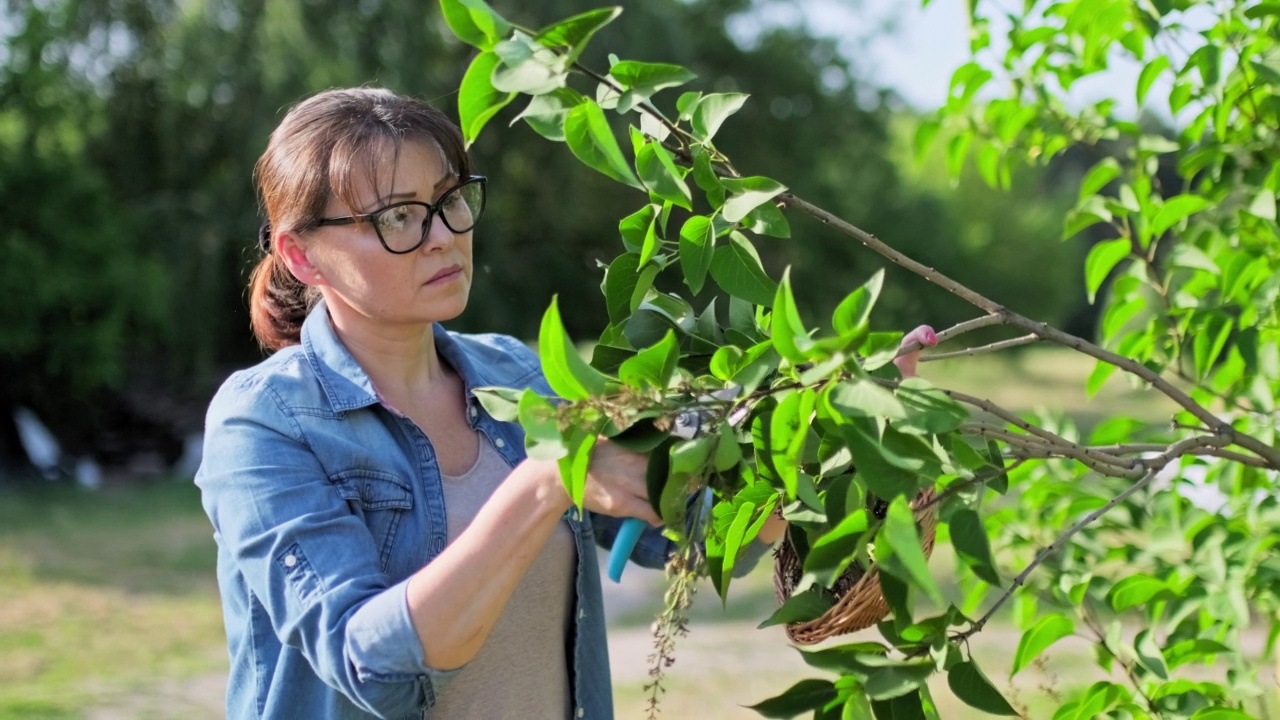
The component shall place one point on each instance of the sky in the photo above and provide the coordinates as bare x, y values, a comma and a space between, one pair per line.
912, 49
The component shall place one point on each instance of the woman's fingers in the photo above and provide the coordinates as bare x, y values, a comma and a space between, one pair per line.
617, 483
918, 339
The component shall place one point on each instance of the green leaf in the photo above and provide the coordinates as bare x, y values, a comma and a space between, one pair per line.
803, 696
705, 177
790, 338
1184, 255
637, 227
970, 685
574, 32
660, 176
566, 372
1175, 210
657, 473
652, 366
526, 67
697, 243
588, 135
1149, 655
1102, 259
865, 398
746, 194
546, 113
969, 537
474, 22
477, 99
1099, 175
1136, 589
500, 402
929, 410
898, 549
619, 285
648, 78
789, 427
1220, 713
851, 317
1047, 631
1263, 205
925, 133
733, 542
895, 678
573, 465
1193, 650
541, 429
767, 219
1088, 213
801, 607
1150, 72
736, 268
831, 553
712, 110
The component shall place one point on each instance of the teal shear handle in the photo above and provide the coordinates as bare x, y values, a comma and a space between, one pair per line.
688, 424
628, 536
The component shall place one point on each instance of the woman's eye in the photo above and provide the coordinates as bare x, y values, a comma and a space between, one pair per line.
394, 219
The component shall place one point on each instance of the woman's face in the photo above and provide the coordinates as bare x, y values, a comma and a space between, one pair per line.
360, 279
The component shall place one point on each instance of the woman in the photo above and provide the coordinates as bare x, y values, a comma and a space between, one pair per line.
385, 548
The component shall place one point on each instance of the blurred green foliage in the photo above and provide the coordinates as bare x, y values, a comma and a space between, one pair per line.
129, 128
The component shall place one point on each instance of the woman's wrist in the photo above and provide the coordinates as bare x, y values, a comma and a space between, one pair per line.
547, 487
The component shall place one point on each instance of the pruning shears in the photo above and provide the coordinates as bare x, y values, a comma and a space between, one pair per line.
690, 423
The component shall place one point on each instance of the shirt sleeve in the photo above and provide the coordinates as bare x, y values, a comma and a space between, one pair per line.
307, 558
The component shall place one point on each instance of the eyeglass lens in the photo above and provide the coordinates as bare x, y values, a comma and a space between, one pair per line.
403, 227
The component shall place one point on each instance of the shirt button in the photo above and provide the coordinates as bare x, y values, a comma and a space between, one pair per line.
581, 614
290, 561
581, 712
500, 443
472, 411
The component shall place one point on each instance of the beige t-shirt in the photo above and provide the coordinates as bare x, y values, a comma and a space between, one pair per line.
522, 671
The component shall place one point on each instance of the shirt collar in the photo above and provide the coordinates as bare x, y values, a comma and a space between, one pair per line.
345, 382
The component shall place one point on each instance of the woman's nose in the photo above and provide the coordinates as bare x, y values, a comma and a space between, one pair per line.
439, 236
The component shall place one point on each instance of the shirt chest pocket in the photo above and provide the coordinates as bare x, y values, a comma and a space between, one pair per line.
381, 500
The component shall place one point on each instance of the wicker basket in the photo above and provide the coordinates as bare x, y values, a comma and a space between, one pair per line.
859, 603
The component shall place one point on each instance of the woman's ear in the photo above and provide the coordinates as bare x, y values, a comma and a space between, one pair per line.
296, 258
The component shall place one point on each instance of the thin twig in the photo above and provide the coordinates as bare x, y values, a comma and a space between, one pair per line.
968, 326
989, 347
1053, 547
1099, 462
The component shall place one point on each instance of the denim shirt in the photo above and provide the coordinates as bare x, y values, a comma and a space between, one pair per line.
324, 502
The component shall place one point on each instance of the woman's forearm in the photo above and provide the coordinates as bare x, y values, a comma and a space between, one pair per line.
457, 599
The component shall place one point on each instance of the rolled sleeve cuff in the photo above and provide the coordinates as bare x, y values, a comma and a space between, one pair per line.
384, 644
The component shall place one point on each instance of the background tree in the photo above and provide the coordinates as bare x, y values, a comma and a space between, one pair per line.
150, 107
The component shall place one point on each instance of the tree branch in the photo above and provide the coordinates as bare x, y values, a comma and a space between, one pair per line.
1043, 330
1053, 547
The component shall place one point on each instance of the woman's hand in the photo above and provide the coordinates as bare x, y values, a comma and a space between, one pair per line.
918, 339
616, 483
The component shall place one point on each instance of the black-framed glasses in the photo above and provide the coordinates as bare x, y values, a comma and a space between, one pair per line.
402, 227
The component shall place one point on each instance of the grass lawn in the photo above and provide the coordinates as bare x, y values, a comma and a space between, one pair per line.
109, 606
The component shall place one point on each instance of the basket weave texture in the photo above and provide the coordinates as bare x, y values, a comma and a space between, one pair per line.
859, 602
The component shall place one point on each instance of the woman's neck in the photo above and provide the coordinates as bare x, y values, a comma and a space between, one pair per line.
401, 360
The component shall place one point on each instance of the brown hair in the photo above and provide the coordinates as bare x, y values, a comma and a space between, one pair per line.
315, 154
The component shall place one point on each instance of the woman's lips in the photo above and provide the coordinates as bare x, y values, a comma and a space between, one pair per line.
445, 275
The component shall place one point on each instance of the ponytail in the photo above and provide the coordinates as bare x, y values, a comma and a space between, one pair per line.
278, 304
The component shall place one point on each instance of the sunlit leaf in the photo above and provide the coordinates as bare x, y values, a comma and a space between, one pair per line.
1047, 631
566, 372
589, 137
477, 99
